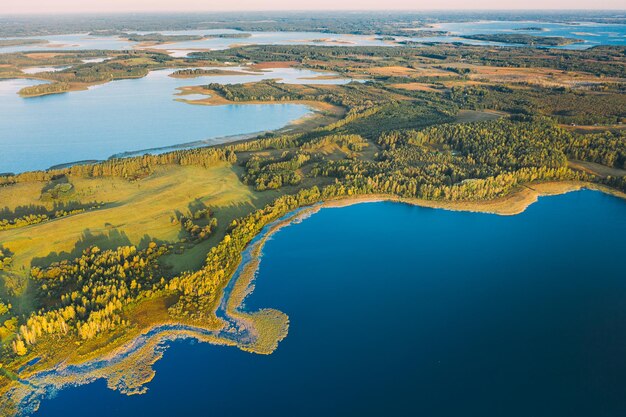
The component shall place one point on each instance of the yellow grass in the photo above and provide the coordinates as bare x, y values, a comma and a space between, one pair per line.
547, 77
396, 71
133, 212
272, 64
44, 55
417, 87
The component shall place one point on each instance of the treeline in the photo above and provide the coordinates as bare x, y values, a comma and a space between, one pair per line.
43, 89
40, 217
38, 214
439, 184
131, 168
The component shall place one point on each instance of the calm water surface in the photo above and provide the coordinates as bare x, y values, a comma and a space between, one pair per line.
71, 42
592, 33
403, 311
74, 42
129, 115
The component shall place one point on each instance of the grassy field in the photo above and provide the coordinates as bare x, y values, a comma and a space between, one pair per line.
133, 213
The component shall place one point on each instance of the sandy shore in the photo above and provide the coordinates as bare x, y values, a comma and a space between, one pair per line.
512, 204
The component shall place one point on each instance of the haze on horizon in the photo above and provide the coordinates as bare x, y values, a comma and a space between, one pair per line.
119, 6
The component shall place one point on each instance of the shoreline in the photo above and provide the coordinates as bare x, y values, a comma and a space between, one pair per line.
318, 109
254, 331
510, 205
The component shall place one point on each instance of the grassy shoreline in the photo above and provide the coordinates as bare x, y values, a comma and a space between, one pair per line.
270, 326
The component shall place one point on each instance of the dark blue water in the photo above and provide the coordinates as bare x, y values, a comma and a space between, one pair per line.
406, 311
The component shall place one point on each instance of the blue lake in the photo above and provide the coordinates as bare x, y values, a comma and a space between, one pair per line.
593, 34
267, 38
130, 115
403, 311
72, 42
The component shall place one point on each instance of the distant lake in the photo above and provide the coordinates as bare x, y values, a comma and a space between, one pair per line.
592, 33
70, 42
74, 42
398, 310
130, 115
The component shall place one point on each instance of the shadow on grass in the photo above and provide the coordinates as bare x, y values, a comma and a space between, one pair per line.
105, 241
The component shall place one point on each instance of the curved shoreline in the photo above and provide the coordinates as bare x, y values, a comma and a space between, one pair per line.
128, 368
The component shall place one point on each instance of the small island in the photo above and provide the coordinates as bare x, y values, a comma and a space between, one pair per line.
531, 29
202, 72
228, 36
159, 39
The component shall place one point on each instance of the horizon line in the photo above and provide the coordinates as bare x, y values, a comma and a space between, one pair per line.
398, 10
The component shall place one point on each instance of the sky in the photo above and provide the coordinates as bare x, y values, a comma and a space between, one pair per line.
108, 6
